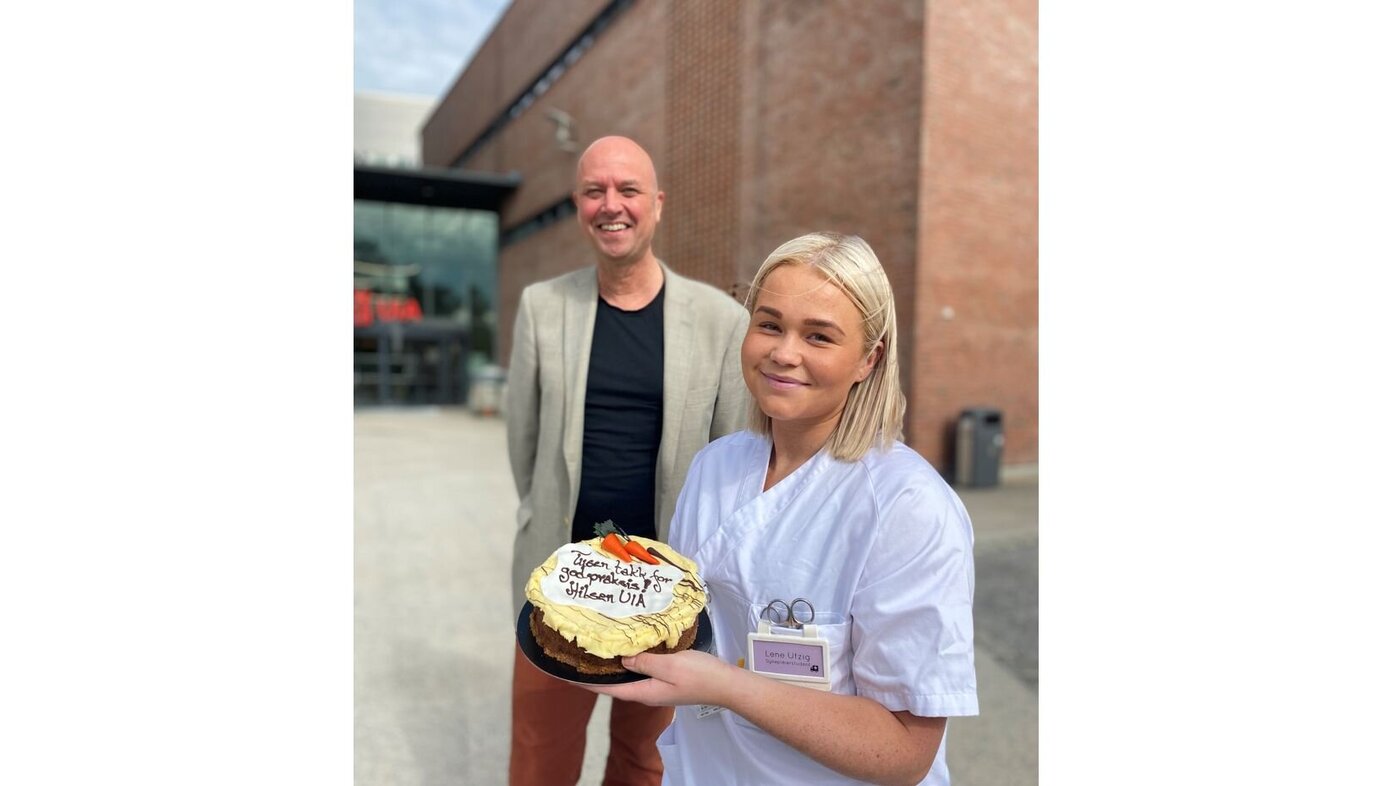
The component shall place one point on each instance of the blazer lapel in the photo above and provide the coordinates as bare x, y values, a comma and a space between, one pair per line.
678, 323
580, 310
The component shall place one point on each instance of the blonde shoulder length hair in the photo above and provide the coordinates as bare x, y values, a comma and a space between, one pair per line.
874, 411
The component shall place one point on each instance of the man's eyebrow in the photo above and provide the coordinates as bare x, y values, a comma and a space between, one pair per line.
598, 183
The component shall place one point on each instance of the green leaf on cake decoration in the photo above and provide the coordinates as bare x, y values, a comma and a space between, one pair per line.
608, 527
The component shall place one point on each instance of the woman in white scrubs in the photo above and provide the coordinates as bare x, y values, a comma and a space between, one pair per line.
819, 500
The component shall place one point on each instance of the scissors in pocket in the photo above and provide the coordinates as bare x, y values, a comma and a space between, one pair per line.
789, 614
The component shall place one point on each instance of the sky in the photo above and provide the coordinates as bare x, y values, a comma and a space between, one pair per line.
418, 47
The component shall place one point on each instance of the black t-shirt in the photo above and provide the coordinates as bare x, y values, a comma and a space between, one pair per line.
622, 421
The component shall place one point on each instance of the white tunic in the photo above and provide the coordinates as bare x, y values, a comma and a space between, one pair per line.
882, 548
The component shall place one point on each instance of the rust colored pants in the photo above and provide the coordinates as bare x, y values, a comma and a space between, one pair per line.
548, 729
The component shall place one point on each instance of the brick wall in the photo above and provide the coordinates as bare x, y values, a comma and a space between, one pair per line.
527, 37
909, 122
977, 312
702, 135
831, 133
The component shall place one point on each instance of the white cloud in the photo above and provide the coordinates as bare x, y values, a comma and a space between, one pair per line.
418, 46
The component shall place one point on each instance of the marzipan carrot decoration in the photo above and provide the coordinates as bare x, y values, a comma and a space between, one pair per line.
637, 550
617, 542
612, 543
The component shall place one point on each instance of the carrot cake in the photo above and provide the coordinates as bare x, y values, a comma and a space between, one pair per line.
592, 607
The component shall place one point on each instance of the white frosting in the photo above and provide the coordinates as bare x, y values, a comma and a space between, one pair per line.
606, 584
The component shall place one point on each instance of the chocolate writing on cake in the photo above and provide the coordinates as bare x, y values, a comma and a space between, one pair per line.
583, 576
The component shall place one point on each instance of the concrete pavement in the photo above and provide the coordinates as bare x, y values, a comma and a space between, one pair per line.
434, 627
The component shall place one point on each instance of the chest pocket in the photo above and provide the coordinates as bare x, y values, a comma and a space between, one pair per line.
836, 630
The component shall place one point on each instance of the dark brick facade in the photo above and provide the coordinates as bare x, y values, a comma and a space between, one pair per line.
702, 135
909, 122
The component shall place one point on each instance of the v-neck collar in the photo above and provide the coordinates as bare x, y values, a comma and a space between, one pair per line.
758, 471
754, 508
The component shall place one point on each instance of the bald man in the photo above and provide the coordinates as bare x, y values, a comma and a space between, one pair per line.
619, 373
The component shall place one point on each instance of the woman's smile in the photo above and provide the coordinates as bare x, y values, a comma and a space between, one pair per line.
781, 382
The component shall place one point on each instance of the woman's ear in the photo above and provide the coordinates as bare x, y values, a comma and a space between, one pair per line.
871, 358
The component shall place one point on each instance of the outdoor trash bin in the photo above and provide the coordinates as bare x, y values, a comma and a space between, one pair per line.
977, 450
487, 389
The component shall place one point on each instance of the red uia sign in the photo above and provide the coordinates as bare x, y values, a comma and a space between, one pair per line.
371, 307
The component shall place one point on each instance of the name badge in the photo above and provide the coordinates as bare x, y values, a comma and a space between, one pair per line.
798, 656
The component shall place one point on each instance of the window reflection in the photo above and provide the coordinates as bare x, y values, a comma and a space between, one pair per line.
425, 301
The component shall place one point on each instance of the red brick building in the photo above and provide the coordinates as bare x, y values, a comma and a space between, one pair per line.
912, 123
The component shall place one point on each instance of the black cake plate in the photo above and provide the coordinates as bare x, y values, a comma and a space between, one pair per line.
704, 635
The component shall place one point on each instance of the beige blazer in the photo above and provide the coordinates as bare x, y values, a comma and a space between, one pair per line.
703, 398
